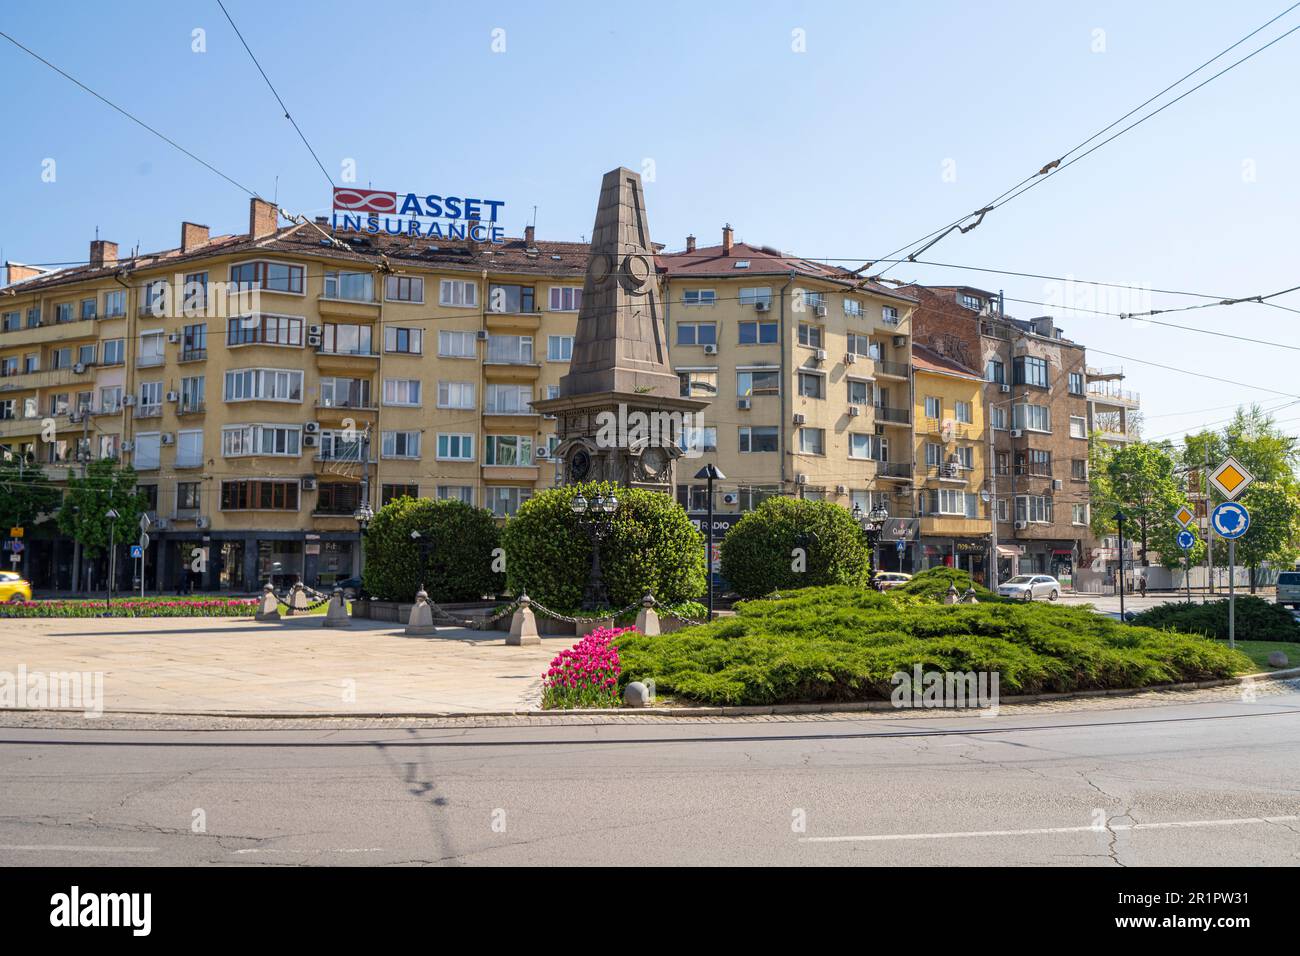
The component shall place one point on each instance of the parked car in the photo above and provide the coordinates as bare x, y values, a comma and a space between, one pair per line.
1027, 587
351, 587
1288, 589
884, 580
14, 588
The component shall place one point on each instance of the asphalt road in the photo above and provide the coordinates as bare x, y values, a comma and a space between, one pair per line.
1209, 783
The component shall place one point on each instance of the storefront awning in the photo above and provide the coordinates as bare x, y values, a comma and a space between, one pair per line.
1064, 552
1010, 550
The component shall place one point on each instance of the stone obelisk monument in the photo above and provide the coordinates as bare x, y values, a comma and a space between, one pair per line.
620, 412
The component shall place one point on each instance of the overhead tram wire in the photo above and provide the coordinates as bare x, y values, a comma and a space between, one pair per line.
276, 94
132, 117
1057, 165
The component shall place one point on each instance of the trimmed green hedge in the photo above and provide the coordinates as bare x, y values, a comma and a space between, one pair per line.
933, 585
135, 607
652, 548
844, 644
460, 560
1257, 619
758, 554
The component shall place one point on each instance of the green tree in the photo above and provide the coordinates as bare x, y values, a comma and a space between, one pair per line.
1140, 480
25, 494
794, 543
459, 541
106, 485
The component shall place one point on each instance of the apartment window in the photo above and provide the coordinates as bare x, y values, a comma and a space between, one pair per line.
507, 450
758, 333
337, 498
389, 493
458, 292
566, 298
194, 342
699, 382
1002, 463
114, 351
758, 438
194, 294
8, 409
400, 444
335, 446
1079, 469
63, 312
147, 451
1076, 383
810, 335
192, 393
693, 497
345, 392
505, 501
1036, 418
271, 276
262, 329
61, 358
510, 349
811, 300
150, 402
352, 286
751, 382
933, 454
456, 394
559, 348
34, 317
697, 333
998, 417
1034, 508
972, 302
110, 399
463, 493
402, 391
1027, 370
510, 298
188, 495
109, 446
404, 289
700, 439
509, 400
756, 294
949, 501
812, 441
115, 304
151, 348
348, 339
9, 366
455, 447
995, 371
457, 345
1034, 461
963, 412
259, 496
1078, 427
868, 447
10, 322
404, 340
853, 307
862, 345
1002, 509
263, 385
239, 441
889, 315
189, 448
812, 385
699, 297
32, 362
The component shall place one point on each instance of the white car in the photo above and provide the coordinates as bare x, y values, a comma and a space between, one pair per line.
1026, 587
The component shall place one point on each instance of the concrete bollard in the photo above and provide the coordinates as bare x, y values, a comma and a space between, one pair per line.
636, 694
420, 623
298, 599
951, 596
969, 597
523, 626
269, 609
1278, 659
336, 614
647, 621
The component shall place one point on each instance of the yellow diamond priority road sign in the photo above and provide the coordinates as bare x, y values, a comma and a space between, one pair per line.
1231, 478
1184, 516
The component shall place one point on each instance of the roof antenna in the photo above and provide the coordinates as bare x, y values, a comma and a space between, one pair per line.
276, 197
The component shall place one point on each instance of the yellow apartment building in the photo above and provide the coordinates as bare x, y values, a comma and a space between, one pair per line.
951, 461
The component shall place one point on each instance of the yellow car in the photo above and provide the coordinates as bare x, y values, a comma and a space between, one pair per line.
13, 588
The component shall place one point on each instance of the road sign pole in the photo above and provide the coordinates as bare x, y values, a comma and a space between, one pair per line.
1187, 574
1232, 593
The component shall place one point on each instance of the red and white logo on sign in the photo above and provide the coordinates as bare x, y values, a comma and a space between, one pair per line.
364, 200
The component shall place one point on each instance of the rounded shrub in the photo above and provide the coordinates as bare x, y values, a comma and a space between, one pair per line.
652, 548
933, 583
459, 540
758, 554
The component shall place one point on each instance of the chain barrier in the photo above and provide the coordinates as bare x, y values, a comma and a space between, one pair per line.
613, 615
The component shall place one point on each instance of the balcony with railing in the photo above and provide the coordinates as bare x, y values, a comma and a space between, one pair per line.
191, 407
893, 369
1108, 393
893, 416
894, 470
148, 411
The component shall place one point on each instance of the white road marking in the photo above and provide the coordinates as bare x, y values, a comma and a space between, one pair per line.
68, 848
359, 849
1117, 827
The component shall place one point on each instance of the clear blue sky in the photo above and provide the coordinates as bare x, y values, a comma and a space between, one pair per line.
836, 152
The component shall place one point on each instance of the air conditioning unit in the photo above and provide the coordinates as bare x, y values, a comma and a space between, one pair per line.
820, 355
800, 418
174, 337
710, 350
308, 483
1057, 484
79, 367
744, 403
1004, 389
314, 341
482, 335
900, 341
314, 330
850, 358
841, 489
762, 305
1021, 525
1017, 433
541, 452
173, 396
202, 523
801, 479
311, 428
167, 438
820, 311
308, 441
128, 401
855, 411
128, 445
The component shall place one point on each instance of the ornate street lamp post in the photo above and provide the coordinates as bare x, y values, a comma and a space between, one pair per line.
873, 523
112, 517
710, 473
596, 518
426, 548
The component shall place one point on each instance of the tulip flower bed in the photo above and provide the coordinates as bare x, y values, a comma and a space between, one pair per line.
585, 675
135, 607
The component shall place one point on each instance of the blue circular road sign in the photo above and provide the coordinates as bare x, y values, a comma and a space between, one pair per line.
1185, 540
1230, 520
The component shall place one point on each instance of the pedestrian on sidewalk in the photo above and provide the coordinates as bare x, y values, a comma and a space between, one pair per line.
1142, 584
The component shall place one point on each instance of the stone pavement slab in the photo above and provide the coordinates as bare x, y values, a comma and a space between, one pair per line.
238, 666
